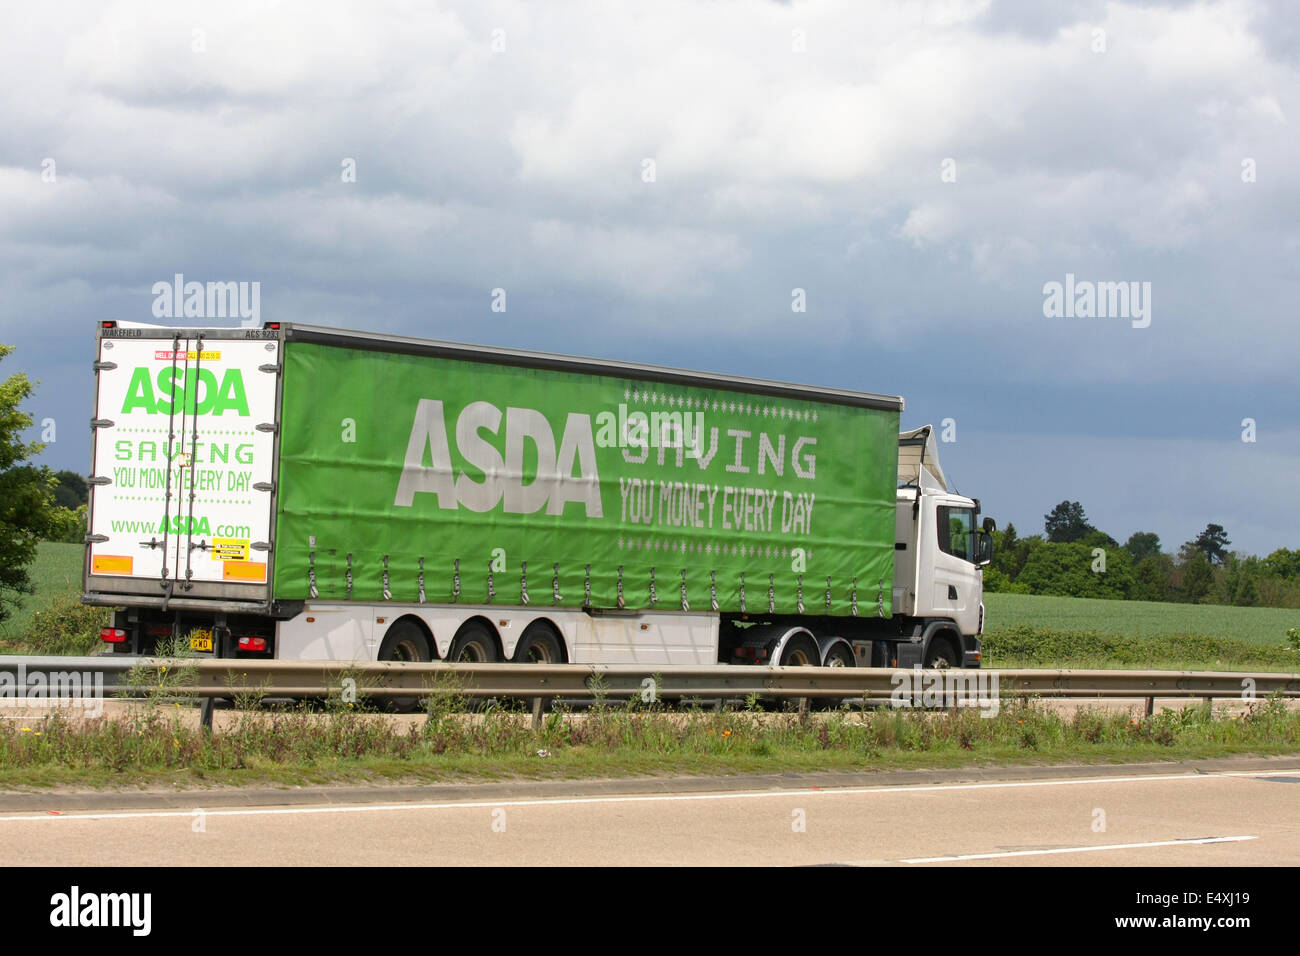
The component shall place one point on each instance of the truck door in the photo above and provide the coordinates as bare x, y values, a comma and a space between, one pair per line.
183, 465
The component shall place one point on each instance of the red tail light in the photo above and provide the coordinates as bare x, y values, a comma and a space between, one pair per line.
112, 635
252, 644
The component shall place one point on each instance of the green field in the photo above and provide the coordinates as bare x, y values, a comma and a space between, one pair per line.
1255, 625
56, 573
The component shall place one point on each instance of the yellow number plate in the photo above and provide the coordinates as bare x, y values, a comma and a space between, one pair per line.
200, 640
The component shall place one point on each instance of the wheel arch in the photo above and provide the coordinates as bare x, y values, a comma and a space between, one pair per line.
945, 631
828, 642
487, 623
555, 629
419, 623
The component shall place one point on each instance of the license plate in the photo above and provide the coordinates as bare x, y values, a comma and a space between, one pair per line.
200, 640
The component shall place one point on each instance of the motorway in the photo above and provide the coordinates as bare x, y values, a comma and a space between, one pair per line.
1207, 813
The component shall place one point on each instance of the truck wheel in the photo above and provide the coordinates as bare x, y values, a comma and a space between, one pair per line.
473, 645
941, 655
840, 656
539, 645
800, 652
405, 642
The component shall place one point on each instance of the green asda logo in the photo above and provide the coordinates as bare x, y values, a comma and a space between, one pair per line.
194, 391
181, 524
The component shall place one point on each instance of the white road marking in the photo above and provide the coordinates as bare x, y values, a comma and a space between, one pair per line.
1076, 849
649, 798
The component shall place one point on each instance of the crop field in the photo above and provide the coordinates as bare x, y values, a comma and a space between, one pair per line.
1255, 625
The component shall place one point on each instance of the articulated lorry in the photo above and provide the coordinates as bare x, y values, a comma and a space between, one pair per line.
301, 492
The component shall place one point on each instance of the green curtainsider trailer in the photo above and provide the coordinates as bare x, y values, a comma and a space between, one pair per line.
248, 480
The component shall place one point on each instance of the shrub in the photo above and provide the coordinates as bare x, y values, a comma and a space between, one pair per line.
64, 626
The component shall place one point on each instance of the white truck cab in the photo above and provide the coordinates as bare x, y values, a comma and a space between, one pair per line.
940, 551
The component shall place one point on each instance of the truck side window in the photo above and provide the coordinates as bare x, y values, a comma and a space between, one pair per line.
956, 528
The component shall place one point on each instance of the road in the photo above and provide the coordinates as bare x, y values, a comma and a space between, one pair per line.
1177, 816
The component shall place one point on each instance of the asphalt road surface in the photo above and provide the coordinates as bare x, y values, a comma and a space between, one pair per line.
1179, 816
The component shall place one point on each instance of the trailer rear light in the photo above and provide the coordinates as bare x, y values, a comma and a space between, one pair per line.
252, 644
112, 635
108, 325
271, 325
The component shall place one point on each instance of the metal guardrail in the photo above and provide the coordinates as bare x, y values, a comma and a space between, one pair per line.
209, 678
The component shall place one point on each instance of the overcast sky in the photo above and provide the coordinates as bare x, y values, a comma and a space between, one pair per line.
651, 182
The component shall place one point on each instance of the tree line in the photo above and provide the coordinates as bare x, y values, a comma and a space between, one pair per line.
1074, 559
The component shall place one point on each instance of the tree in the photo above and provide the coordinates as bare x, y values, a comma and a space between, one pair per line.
25, 491
1196, 576
1142, 545
1066, 522
71, 491
1152, 578
1010, 552
1009, 537
1282, 564
1213, 543
1075, 569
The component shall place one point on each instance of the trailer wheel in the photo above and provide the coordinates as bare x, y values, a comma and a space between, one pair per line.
539, 645
474, 645
941, 654
800, 652
840, 656
405, 642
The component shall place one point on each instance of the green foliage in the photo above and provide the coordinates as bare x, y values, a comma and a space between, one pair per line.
1282, 564
1213, 543
71, 490
1195, 576
1028, 646
153, 742
25, 492
1142, 545
1074, 570
1153, 578
66, 525
1011, 552
995, 580
64, 626
1066, 522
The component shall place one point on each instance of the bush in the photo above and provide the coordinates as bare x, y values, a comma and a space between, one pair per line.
67, 525
65, 626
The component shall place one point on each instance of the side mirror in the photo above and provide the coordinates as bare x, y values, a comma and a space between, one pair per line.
984, 548
990, 526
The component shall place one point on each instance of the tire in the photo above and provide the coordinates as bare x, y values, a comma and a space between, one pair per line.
840, 655
405, 641
940, 654
539, 645
801, 651
474, 644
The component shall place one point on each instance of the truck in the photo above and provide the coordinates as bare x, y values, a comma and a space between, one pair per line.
300, 492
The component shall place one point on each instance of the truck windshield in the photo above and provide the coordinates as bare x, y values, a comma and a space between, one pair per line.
956, 528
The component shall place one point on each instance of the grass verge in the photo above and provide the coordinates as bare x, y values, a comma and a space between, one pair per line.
155, 745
